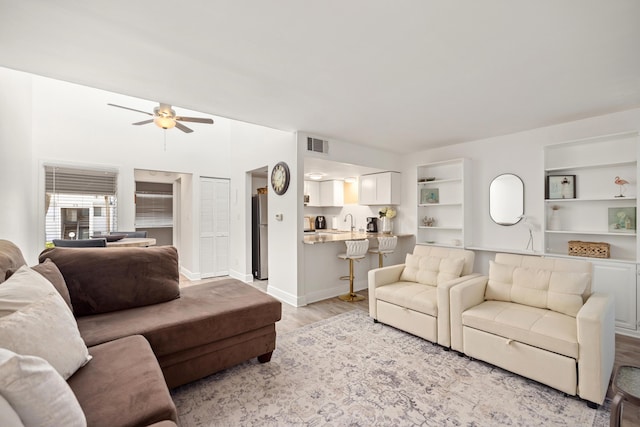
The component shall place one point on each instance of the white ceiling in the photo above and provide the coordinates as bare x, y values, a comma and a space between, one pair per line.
402, 75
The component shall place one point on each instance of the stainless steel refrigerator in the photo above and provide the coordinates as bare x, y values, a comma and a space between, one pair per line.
259, 233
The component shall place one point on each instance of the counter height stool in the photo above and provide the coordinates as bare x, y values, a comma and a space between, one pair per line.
356, 250
626, 385
386, 245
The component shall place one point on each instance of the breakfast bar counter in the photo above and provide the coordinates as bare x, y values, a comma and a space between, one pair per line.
341, 236
323, 268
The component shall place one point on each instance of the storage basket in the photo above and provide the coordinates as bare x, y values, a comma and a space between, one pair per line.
589, 249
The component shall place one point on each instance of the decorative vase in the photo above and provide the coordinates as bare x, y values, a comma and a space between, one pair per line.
554, 220
387, 225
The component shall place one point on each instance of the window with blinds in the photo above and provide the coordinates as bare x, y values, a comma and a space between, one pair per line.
154, 205
79, 202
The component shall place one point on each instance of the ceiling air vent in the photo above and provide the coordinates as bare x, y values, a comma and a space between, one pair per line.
317, 145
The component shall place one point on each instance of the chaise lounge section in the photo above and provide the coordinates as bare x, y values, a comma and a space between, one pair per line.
141, 332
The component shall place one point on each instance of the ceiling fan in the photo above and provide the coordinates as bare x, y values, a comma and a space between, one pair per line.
165, 117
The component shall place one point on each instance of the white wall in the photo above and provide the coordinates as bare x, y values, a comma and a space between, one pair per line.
253, 147
17, 186
519, 153
50, 121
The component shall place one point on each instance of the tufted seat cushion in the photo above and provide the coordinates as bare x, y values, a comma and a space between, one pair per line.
414, 296
537, 327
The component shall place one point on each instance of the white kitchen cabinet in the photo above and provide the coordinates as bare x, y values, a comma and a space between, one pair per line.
312, 189
332, 193
619, 280
380, 189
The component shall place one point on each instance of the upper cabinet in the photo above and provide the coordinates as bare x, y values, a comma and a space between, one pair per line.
591, 196
324, 193
380, 189
312, 191
332, 193
443, 199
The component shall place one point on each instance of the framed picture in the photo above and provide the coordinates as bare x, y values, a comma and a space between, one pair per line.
429, 195
561, 187
622, 220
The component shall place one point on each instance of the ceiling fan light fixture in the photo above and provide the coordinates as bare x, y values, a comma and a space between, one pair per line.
164, 122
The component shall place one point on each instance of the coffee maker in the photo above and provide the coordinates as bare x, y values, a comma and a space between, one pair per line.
372, 224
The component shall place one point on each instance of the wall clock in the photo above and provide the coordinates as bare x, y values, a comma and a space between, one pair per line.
280, 178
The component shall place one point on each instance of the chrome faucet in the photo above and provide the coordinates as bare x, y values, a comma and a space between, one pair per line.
345, 220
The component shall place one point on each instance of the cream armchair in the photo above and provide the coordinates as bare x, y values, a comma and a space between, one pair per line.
537, 317
414, 296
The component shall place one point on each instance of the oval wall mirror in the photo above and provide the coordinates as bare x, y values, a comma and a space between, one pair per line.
506, 199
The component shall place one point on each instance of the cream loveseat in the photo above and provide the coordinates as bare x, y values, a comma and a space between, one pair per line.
414, 296
537, 317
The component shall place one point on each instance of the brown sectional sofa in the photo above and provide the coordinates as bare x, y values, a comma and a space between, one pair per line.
145, 334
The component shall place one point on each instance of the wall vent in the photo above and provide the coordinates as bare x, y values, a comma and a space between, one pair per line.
317, 145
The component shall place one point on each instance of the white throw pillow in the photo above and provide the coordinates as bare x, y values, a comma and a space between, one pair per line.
500, 281
37, 393
22, 288
450, 268
8, 416
46, 328
566, 290
411, 265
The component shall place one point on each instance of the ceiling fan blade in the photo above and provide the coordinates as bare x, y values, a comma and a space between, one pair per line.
195, 119
183, 128
132, 109
144, 122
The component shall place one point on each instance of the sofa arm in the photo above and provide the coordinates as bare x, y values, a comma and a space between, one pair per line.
444, 298
380, 277
464, 296
596, 341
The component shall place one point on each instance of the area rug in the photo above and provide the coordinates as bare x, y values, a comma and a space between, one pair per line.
349, 371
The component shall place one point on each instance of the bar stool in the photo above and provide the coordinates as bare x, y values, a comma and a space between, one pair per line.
356, 250
386, 245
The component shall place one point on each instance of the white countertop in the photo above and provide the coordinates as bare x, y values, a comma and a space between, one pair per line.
329, 236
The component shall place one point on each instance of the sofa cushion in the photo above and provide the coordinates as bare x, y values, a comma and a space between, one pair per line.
561, 291
106, 280
23, 288
537, 327
49, 271
431, 270
11, 259
8, 415
566, 291
45, 327
37, 393
414, 296
123, 385
203, 314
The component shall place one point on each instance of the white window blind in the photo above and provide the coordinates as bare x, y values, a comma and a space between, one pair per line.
154, 205
79, 202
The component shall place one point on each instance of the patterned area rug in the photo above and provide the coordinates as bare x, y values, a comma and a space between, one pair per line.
347, 370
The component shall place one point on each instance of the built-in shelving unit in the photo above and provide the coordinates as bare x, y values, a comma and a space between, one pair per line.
592, 214
442, 195
599, 211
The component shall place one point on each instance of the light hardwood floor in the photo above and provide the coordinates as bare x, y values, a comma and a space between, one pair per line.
627, 348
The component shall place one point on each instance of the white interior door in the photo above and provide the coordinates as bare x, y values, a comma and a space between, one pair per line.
214, 227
